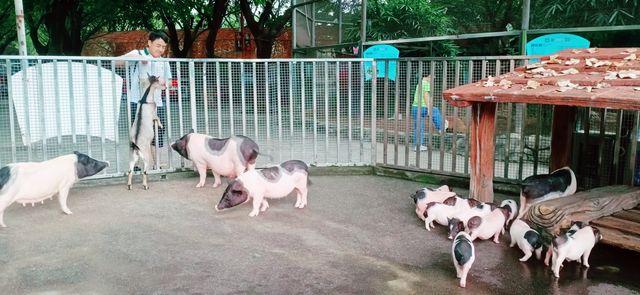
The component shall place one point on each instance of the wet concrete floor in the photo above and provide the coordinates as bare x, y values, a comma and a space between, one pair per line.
359, 235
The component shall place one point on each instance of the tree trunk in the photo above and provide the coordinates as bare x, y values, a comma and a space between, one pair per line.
264, 46
215, 23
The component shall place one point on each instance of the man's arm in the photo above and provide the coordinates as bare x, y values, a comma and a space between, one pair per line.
120, 61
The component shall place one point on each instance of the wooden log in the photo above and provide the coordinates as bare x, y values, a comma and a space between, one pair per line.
586, 206
619, 239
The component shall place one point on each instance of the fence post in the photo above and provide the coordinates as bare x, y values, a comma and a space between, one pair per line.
374, 141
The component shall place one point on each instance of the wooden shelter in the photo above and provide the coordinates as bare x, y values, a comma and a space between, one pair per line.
595, 77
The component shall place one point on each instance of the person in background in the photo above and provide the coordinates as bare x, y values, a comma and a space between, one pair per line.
156, 47
420, 106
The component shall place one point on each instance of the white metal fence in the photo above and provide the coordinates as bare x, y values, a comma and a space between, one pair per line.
321, 111
310, 110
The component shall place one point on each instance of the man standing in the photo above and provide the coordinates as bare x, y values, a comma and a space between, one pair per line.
138, 70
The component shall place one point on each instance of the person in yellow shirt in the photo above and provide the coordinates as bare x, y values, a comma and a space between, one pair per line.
420, 106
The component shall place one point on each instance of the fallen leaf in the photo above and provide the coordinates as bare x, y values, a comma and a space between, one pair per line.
531, 84
630, 57
592, 50
589, 88
590, 61
636, 88
490, 82
629, 50
533, 65
566, 83
504, 83
570, 71
633, 74
553, 59
572, 61
619, 64
602, 85
576, 51
611, 75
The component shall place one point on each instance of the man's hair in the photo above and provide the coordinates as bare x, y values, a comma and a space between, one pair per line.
158, 35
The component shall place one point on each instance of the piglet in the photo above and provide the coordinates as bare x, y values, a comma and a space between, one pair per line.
463, 254
527, 239
489, 226
438, 212
228, 157
427, 195
538, 188
512, 207
574, 245
273, 182
33, 182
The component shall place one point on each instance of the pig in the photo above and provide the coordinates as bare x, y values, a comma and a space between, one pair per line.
538, 188
273, 182
32, 182
575, 226
438, 212
512, 207
461, 203
463, 254
141, 133
455, 226
574, 245
426, 195
228, 157
482, 209
527, 239
490, 225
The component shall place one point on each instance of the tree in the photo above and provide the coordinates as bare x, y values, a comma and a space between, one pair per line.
214, 23
271, 22
187, 15
7, 25
398, 19
59, 27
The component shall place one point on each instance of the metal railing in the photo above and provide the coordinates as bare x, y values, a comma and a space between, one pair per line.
321, 111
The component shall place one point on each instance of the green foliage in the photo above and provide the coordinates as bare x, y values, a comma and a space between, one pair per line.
578, 13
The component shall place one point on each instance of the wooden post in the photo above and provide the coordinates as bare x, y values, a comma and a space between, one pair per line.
564, 120
483, 117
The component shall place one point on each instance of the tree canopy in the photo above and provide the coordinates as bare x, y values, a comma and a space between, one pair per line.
61, 27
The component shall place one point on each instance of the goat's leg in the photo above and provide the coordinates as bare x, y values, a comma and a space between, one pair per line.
133, 156
146, 158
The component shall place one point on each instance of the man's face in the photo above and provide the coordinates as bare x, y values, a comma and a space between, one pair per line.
157, 47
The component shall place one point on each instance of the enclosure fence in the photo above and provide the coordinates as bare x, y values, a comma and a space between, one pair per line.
326, 112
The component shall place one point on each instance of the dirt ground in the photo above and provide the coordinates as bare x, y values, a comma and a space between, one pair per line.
359, 235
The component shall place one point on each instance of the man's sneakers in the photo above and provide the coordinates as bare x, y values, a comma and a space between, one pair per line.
422, 148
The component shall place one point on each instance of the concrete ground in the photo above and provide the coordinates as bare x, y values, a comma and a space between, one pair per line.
359, 234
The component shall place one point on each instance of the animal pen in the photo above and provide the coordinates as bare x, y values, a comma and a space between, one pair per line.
327, 112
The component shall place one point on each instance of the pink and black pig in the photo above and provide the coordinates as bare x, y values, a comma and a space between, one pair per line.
512, 207
273, 182
438, 212
228, 157
538, 188
488, 226
528, 240
427, 195
463, 254
575, 245
33, 182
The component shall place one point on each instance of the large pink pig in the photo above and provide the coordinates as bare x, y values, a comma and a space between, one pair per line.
273, 182
34, 182
228, 157
426, 195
